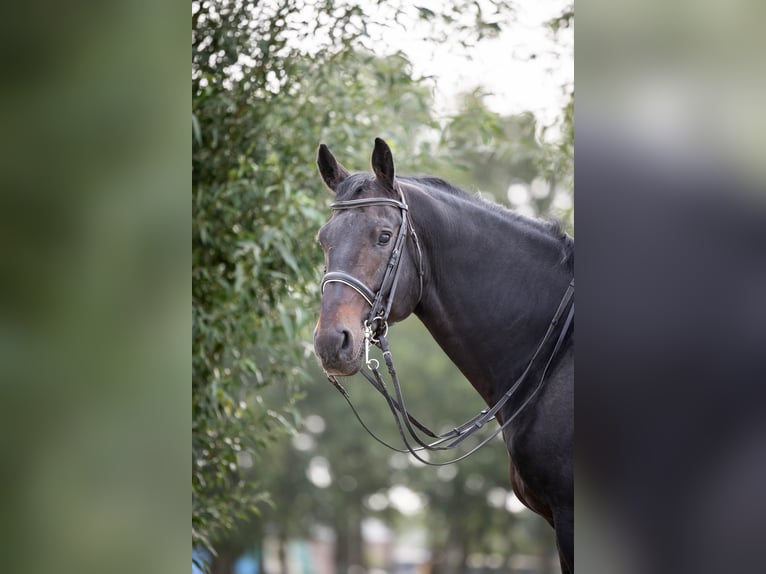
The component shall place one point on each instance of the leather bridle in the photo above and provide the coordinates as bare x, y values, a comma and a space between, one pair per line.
380, 302
376, 330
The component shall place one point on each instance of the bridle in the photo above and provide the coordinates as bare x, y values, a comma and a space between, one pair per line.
375, 330
380, 302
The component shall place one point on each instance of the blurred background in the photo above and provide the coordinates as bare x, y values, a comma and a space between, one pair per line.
283, 478
94, 314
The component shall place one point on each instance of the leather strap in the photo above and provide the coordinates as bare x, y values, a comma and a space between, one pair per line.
351, 281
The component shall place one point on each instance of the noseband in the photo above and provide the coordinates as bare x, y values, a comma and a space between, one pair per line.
380, 302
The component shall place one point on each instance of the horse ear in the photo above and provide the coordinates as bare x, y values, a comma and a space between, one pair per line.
331, 171
383, 164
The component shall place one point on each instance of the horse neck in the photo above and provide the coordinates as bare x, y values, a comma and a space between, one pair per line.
493, 283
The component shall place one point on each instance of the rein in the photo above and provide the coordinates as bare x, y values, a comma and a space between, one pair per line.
376, 331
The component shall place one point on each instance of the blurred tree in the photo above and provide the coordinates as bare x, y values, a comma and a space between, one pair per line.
464, 510
462, 517
491, 152
252, 219
558, 160
326, 472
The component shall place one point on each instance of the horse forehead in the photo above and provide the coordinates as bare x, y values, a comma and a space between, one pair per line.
355, 185
339, 227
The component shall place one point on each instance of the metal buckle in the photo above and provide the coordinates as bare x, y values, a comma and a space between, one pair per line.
369, 337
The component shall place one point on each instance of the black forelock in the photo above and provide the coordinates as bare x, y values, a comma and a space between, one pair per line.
352, 185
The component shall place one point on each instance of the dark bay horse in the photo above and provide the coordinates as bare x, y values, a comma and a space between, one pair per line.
486, 282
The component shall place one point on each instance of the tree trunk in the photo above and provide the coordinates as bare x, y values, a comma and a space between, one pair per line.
463, 553
282, 552
438, 559
455, 549
349, 546
341, 546
224, 562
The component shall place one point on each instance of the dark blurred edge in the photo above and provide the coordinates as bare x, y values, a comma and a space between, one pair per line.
671, 345
94, 312
670, 396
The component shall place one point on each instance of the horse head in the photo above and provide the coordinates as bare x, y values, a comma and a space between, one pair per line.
371, 276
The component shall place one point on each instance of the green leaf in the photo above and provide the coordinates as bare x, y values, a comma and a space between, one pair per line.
196, 131
425, 13
287, 324
287, 257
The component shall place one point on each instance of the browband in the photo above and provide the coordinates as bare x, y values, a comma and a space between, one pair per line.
352, 203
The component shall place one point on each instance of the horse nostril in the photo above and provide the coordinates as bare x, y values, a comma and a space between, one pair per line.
346, 341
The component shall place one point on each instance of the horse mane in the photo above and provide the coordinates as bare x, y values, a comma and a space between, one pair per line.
550, 226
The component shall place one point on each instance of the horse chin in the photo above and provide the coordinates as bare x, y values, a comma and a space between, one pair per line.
344, 369
342, 366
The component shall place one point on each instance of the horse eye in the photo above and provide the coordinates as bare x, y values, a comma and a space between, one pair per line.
384, 238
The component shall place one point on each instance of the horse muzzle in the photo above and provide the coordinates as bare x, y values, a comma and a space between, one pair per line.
339, 349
